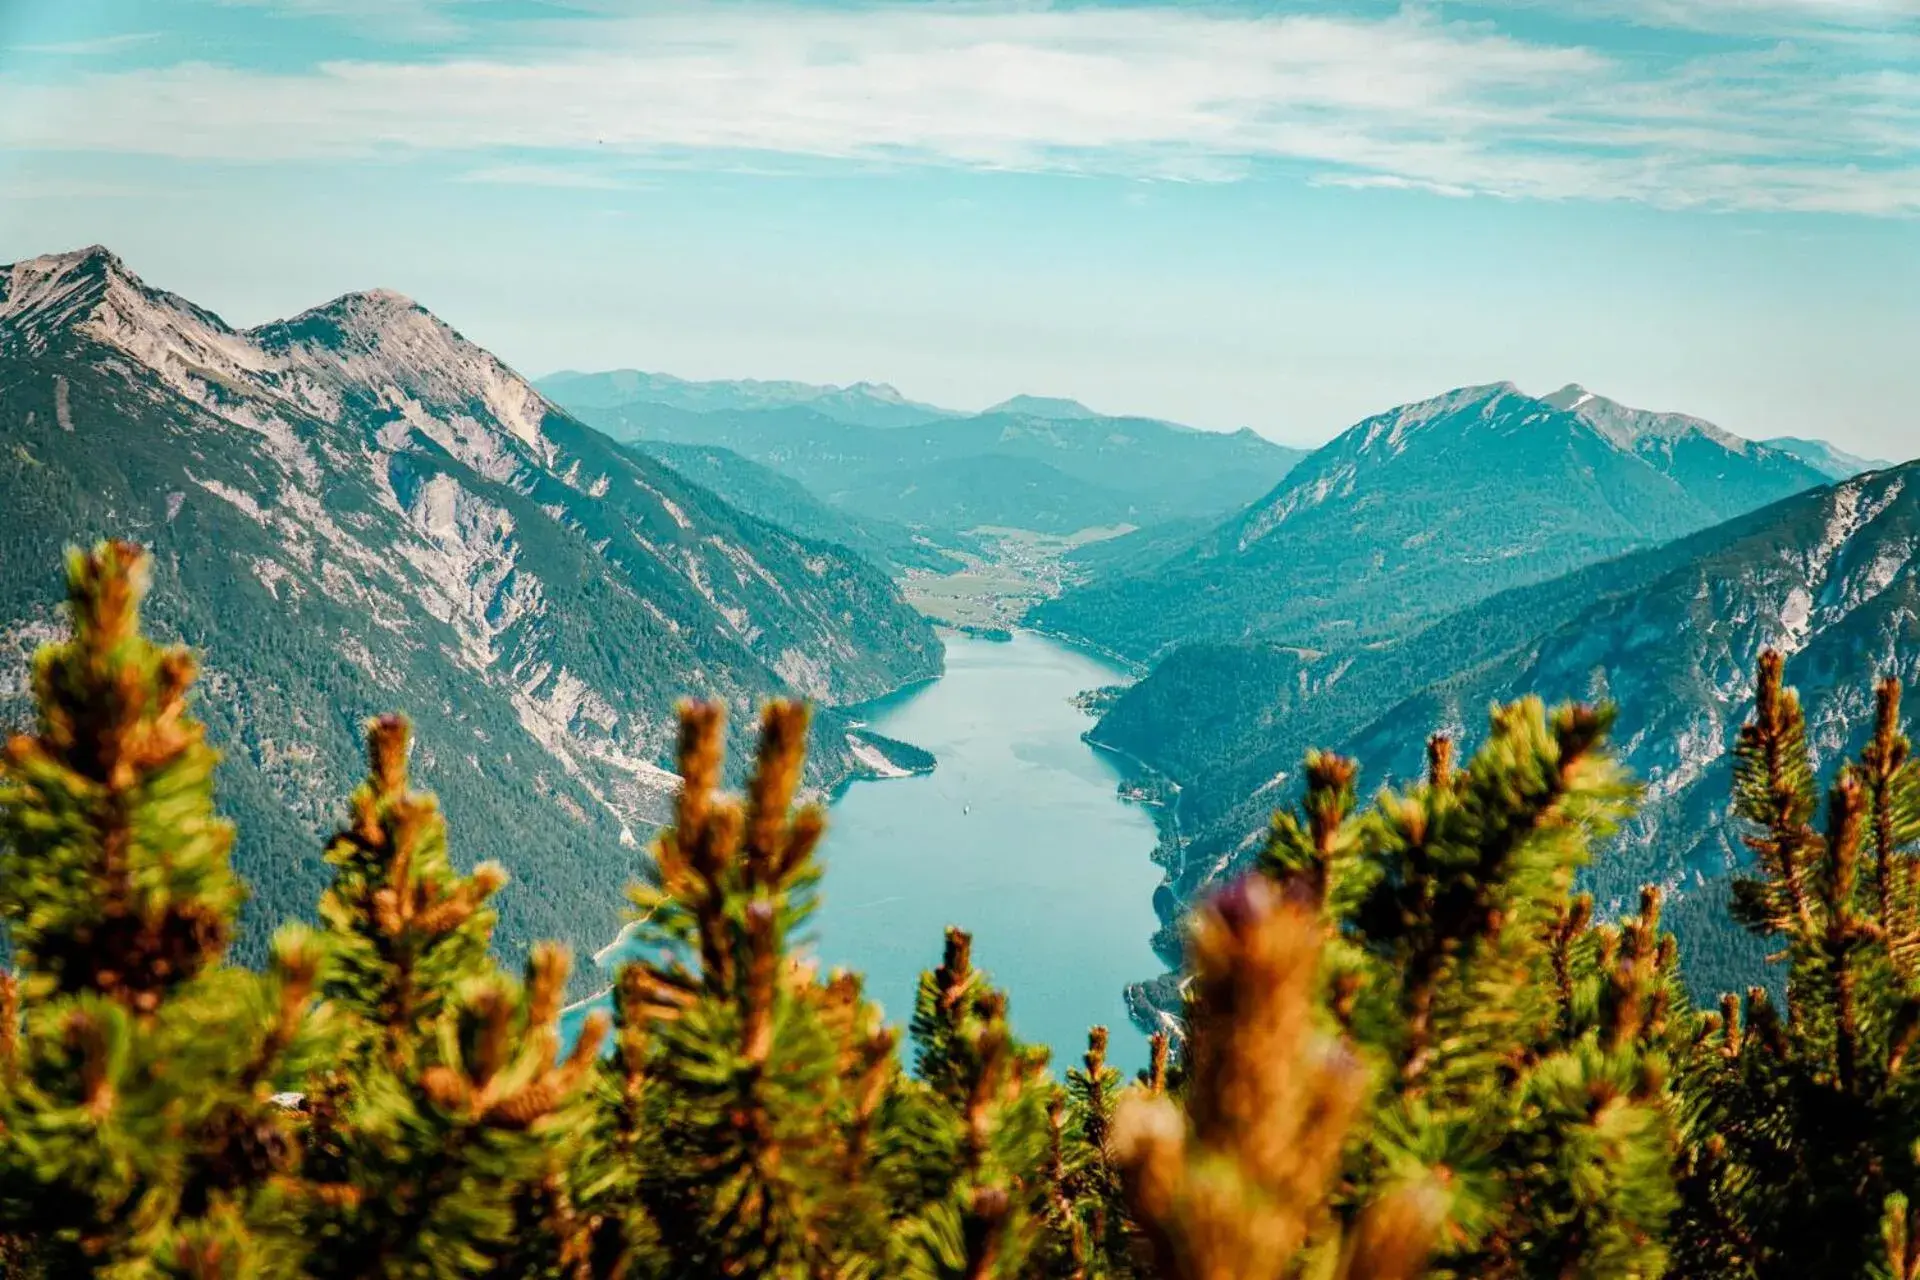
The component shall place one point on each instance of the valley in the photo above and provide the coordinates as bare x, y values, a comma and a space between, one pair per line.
358, 509
1019, 834
1427, 544
1012, 571
885, 640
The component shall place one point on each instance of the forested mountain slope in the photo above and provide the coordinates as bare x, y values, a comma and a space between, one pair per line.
1423, 510
356, 510
763, 492
1671, 635
1028, 470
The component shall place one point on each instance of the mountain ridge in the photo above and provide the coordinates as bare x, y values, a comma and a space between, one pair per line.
1128, 470
356, 509
1669, 634
1414, 512
1060, 407
773, 497
872, 404
1827, 458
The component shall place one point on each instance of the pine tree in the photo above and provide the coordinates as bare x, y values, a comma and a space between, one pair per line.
1521, 1058
1814, 1107
607, 1170
1093, 1234
979, 1131
405, 930
764, 1078
1239, 1183
138, 1136
440, 1135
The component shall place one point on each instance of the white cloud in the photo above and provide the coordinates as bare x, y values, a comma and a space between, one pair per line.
1392, 182
1408, 101
1777, 19
90, 48
410, 20
544, 175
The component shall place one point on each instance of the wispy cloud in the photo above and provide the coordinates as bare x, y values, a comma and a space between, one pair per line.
93, 48
418, 21
1392, 182
545, 175
1777, 19
1409, 100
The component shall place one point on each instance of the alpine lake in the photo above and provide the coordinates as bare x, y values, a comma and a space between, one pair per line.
1019, 835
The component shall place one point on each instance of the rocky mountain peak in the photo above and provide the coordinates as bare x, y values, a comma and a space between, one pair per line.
1568, 398
1375, 447
1479, 401
385, 345
1388, 434
378, 346
1043, 407
40, 296
91, 295
362, 321
56, 292
1638, 429
93, 264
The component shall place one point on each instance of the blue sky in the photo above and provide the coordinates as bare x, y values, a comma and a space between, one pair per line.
1286, 215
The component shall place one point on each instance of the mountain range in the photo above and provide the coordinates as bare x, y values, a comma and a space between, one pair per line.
1046, 465
1829, 460
764, 492
866, 404
1422, 510
1669, 634
358, 510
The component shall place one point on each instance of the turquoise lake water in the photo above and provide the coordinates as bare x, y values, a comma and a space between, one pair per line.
1018, 835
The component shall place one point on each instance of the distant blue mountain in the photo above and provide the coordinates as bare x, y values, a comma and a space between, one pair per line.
1830, 461
1045, 407
866, 404
1051, 466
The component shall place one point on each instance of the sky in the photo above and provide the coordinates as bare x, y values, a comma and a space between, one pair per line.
1283, 214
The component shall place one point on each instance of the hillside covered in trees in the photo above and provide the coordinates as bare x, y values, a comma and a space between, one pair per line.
1426, 509
358, 506
1670, 634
